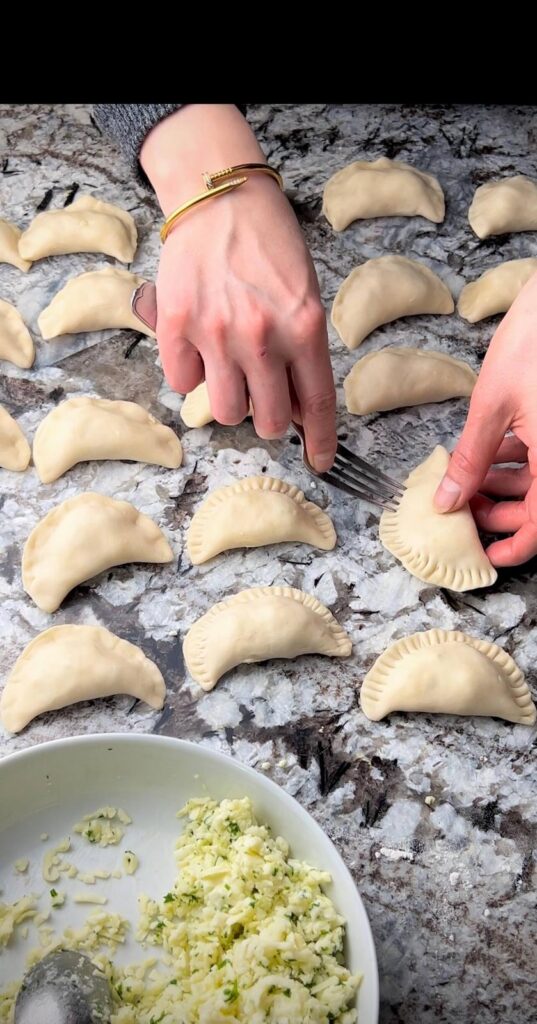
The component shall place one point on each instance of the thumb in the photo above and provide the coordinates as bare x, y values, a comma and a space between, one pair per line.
474, 454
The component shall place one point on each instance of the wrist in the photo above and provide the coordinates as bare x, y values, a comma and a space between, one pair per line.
197, 138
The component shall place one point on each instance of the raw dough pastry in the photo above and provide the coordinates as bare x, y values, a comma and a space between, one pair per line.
496, 289
87, 225
256, 511
382, 290
502, 206
9, 246
83, 429
443, 549
95, 301
449, 673
397, 377
266, 622
81, 538
381, 188
196, 409
14, 448
16, 343
67, 664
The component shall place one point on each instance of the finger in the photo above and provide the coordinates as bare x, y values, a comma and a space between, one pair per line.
181, 362
498, 516
226, 384
271, 401
473, 455
512, 449
517, 549
314, 386
509, 483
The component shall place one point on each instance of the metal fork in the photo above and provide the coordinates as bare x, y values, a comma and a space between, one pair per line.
355, 476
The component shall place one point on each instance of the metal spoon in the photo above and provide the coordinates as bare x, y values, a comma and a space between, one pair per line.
64, 988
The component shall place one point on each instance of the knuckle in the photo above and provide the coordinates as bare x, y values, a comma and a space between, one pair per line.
215, 327
321, 405
465, 461
257, 323
308, 321
273, 426
170, 320
228, 411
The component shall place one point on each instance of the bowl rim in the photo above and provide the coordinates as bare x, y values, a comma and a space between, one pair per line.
151, 739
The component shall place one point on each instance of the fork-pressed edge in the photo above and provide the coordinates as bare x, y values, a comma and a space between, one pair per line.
355, 476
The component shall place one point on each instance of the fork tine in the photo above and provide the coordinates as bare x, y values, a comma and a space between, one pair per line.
357, 492
358, 476
367, 468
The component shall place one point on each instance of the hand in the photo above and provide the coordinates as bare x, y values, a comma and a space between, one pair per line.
505, 398
237, 295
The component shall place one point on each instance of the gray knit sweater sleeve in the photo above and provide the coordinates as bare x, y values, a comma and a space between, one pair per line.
127, 124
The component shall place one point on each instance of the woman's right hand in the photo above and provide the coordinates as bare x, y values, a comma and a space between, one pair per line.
504, 399
237, 295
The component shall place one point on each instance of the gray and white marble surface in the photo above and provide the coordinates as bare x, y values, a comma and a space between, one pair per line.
435, 816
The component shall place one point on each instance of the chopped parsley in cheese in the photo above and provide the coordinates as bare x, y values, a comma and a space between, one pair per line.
246, 934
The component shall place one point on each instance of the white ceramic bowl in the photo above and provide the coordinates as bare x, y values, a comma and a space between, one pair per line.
48, 788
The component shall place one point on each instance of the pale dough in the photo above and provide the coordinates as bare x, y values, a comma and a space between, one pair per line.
450, 673
382, 290
266, 622
82, 429
16, 345
87, 225
81, 538
9, 246
95, 301
443, 549
68, 664
496, 289
14, 448
397, 377
253, 512
381, 188
503, 206
196, 408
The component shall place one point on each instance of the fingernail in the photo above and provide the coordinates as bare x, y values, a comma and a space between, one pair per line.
447, 495
322, 461
144, 304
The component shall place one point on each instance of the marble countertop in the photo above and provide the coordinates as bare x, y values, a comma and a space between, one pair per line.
436, 817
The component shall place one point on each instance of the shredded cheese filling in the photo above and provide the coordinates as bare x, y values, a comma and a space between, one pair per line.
246, 935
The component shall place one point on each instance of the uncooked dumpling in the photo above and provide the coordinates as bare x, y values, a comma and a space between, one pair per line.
439, 548
446, 672
381, 188
496, 289
9, 246
67, 664
503, 206
96, 301
196, 408
81, 538
83, 429
253, 512
266, 622
396, 377
382, 290
14, 448
87, 225
16, 345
